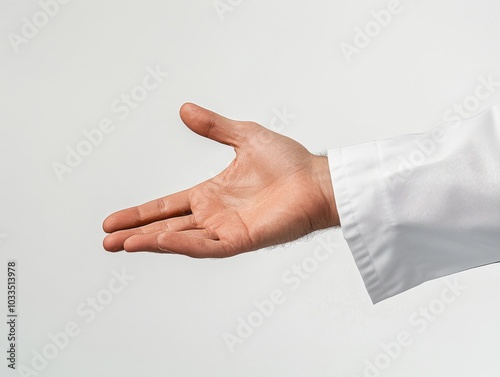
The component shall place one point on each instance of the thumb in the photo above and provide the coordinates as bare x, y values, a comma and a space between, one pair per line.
213, 126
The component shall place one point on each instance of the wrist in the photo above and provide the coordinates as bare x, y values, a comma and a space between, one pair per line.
323, 178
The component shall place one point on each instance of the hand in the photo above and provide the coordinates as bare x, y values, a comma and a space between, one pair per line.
273, 192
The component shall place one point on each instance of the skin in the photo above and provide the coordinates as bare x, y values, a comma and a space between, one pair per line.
273, 192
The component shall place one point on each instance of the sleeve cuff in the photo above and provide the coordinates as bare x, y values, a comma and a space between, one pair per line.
360, 195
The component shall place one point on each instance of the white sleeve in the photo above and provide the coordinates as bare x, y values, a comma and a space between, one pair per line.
422, 206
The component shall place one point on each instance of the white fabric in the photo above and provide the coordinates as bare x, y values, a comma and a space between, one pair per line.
422, 206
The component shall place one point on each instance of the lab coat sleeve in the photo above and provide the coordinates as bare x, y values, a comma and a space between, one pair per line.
418, 207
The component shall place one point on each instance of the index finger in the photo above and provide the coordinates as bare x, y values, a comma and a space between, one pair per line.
177, 204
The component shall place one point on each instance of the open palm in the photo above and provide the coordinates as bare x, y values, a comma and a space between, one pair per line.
273, 192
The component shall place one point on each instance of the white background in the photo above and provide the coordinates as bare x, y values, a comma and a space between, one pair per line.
262, 56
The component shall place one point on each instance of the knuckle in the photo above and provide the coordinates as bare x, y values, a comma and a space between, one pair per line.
161, 206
